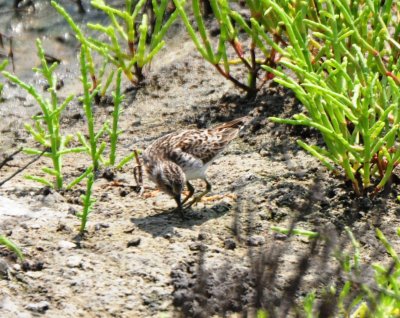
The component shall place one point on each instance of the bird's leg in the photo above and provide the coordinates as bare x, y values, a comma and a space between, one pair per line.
197, 198
179, 208
191, 191
138, 173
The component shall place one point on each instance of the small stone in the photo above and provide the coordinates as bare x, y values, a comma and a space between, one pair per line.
134, 242
264, 153
255, 241
52, 198
202, 236
74, 261
3, 269
221, 208
77, 116
280, 236
72, 211
197, 246
66, 245
168, 236
230, 244
32, 266
108, 174
99, 226
123, 193
40, 307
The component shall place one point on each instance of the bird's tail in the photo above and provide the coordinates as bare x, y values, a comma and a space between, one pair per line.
230, 130
237, 123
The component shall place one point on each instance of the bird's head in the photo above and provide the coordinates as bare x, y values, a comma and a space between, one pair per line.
169, 177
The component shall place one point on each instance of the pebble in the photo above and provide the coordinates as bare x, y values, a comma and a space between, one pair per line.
197, 246
221, 208
124, 192
39, 307
3, 269
264, 153
202, 236
134, 242
33, 266
52, 199
230, 244
74, 261
99, 226
66, 245
72, 211
35, 226
255, 241
280, 236
108, 174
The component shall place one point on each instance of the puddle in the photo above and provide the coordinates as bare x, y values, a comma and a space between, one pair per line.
24, 27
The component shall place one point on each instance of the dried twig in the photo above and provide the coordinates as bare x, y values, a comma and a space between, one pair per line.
9, 157
23, 168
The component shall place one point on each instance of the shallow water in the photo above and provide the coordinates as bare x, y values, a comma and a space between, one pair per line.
24, 26
28, 24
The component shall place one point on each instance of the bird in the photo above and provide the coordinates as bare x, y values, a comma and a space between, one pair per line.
172, 160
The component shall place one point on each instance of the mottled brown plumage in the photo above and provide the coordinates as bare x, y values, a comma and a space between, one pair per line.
174, 159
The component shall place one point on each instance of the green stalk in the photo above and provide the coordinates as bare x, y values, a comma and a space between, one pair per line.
80, 178
11, 246
53, 121
87, 203
202, 31
87, 105
118, 97
47, 129
301, 232
388, 246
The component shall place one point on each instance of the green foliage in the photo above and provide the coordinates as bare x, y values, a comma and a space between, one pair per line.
114, 132
92, 145
231, 23
88, 203
143, 42
46, 129
2, 67
301, 232
356, 297
11, 246
346, 64
122, 31
381, 298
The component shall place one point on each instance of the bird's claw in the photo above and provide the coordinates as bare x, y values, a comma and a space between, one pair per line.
194, 201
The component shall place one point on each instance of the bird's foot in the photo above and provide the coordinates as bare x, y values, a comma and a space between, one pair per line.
192, 202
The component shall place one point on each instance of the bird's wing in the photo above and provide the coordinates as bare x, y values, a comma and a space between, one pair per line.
207, 144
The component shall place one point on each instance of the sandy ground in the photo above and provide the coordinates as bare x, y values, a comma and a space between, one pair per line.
139, 260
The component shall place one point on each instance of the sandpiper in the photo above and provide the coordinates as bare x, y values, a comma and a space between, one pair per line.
174, 159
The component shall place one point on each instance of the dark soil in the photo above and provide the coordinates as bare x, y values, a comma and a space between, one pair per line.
139, 260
